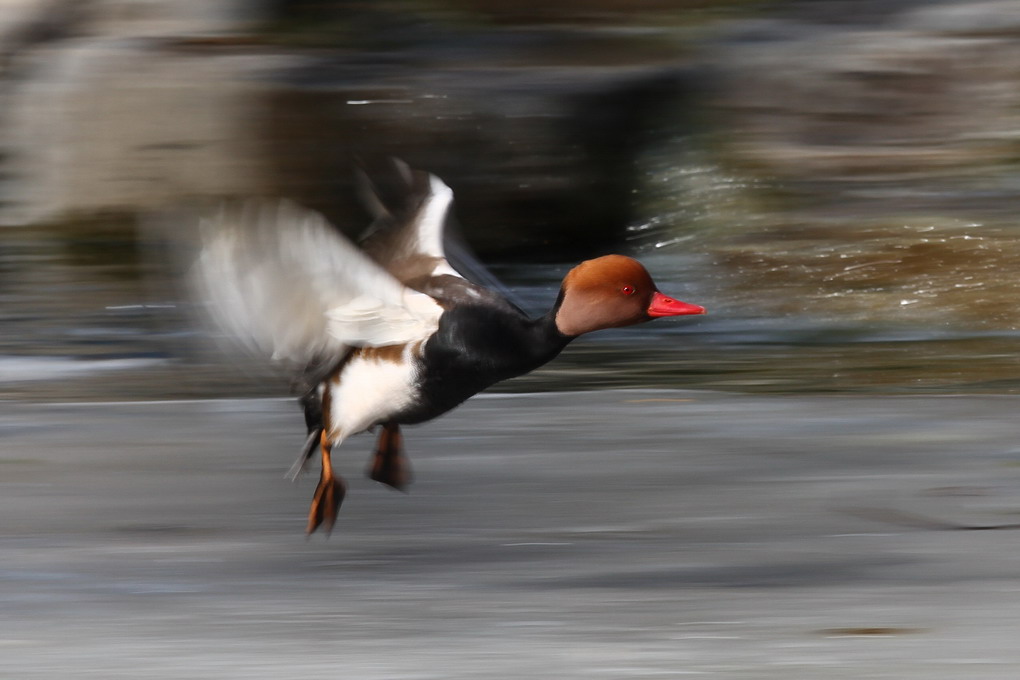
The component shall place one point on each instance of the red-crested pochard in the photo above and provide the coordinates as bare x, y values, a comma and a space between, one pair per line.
387, 333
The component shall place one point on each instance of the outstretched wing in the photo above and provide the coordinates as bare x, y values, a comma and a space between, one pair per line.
285, 283
410, 208
411, 237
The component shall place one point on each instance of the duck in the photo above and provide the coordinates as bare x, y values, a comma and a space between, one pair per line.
385, 332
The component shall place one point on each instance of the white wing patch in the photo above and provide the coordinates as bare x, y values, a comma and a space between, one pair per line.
365, 321
432, 220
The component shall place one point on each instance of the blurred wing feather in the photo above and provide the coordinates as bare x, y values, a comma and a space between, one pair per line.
284, 282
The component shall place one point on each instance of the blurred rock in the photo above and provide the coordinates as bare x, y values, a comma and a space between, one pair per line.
16, 14
97, 117
994, 19
137, 18
913, 93
116, 125
540, 129
155, 102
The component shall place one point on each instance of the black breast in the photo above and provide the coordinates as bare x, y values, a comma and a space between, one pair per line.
481, 340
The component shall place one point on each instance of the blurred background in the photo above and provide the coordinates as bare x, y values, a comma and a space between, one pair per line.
836, 180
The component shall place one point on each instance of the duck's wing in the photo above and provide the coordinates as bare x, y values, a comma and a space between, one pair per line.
413, 237
410, 210
285, 283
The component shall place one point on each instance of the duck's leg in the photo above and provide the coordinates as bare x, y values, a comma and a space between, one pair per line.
329, 494
389, 463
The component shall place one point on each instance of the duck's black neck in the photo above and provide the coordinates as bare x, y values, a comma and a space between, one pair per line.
547, 339
517, 344
493, 342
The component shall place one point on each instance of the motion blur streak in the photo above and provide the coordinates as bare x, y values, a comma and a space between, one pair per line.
836, 180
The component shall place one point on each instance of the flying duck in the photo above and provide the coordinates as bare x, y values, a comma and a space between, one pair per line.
387, 333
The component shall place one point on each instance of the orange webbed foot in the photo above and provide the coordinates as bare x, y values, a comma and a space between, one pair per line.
329, 494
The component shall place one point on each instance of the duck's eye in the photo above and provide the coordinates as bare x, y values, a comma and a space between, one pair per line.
627, 290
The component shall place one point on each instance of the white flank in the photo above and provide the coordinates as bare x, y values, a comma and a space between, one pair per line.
369, 391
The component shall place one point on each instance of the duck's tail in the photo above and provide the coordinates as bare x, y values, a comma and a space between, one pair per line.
311, 402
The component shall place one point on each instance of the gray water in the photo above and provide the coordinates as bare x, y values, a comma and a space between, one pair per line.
88, 312
617, 534
872, 271
834, 298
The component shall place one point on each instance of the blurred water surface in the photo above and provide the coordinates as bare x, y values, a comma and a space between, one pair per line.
842, 200
799, 301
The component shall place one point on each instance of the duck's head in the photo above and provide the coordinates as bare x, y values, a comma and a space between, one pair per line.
612, 291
